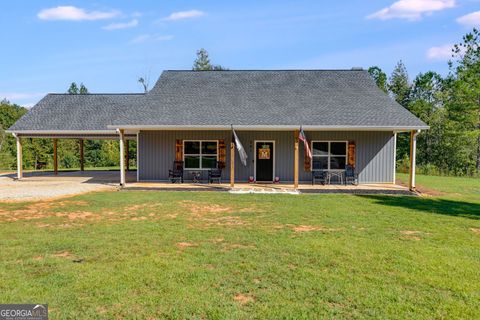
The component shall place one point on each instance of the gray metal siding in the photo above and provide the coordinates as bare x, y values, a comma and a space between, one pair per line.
374, 152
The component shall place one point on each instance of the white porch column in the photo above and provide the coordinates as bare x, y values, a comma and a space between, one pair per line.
19, 158
295, 159
413, 156
122, 157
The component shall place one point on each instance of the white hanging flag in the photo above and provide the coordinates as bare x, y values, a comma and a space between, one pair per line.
241, 150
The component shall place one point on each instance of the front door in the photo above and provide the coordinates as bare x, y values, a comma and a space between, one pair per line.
264, 160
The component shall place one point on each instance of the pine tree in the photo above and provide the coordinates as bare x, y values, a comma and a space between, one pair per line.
73, 88
464, 106
202, 62
83, 89
380, 77
399, 85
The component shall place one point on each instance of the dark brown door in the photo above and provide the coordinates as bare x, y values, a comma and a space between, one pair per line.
264, 161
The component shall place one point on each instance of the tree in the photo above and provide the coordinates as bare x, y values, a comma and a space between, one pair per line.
426, 102
202, 62
464, 105
9, 114
73, 89
83, 89
399, 89
380, 77
144, 82
399, 85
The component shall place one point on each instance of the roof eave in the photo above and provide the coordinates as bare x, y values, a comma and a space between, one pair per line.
270, 127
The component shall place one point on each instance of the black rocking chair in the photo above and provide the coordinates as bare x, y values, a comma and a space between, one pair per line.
350, 175
215, 173
320, 176
177, 173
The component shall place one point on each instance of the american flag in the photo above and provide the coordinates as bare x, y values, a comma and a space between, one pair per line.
303, 138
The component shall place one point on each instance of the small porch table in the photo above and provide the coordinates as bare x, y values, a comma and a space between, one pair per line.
339, 174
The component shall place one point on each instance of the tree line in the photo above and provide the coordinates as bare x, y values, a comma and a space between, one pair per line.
449, 104
38, 152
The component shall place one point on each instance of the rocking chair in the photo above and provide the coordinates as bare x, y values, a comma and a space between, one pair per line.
176, 174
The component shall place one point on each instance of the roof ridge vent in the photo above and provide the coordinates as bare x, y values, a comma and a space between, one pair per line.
357, 69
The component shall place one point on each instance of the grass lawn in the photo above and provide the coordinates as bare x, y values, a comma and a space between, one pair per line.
216, 255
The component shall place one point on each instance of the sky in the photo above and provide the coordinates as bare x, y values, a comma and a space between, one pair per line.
109, 44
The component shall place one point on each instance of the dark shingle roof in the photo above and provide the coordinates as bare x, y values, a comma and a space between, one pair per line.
317, 98
64, 112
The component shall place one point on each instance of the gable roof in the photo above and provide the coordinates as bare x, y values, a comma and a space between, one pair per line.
217, 99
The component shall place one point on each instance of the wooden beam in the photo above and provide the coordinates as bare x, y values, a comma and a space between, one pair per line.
413, 155
295, 162
82, 157
19, 158
232, 164
55, 157
127, 155
122, 157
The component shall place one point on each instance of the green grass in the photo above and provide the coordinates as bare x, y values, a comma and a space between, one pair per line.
222, 256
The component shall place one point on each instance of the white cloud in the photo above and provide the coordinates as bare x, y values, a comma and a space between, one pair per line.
121, 25
470, 20
150, 38
74, 14
184, 15
443, 53
412, 9
28, 105
20, 95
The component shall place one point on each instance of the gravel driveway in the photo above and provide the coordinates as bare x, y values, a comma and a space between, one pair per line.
45, 185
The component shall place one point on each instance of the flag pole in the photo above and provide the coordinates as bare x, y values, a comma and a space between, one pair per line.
232, 160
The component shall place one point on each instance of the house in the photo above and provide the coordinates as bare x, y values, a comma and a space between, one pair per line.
189, 116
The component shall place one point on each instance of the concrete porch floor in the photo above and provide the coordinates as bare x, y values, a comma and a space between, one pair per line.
387, 188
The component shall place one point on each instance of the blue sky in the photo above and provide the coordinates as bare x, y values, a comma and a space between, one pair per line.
108, 44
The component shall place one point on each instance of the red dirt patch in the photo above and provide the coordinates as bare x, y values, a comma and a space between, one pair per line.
422, 190
183, 245
82, 215
475, 230
198, 208
233, 246
412, 234
243, 298
306, 228
63, 254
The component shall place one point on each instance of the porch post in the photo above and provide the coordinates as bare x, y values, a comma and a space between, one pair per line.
122, 157
55, 157
295, 163
413, 155
82, 157
19, 158
127, 155
232, 164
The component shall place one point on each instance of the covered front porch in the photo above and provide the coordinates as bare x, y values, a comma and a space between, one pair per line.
373, 158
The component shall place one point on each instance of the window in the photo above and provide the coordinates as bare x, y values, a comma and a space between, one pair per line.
200, 154
329, 155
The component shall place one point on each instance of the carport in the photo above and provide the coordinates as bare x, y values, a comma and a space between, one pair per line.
78, 117
121, 136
